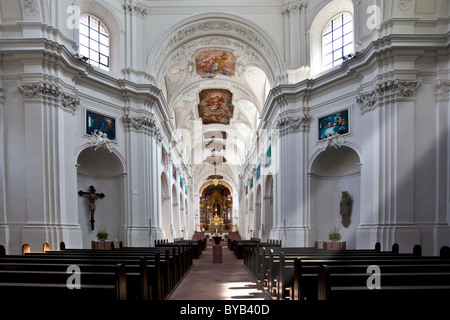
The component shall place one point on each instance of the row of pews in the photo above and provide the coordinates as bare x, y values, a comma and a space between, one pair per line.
314, 274
237, 245
124, 273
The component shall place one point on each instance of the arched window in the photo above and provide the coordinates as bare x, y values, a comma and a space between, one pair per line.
94, 41
337, 40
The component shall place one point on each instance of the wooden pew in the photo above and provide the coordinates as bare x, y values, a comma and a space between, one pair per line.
252, 256
197, 245
44, 284
159, 275
137, 271
306, 270
352, 286
161, 264
238, 247
279, 280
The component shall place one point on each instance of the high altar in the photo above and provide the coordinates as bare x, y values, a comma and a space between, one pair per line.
216, 200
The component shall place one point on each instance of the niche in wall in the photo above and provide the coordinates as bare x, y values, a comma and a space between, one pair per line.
333, 171
103, 170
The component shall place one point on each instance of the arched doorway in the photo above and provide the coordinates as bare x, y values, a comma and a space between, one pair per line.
216, 200
104, 171
268, 208
257, 213
334, 171
251, 216
182, 222
175, 213
165, 206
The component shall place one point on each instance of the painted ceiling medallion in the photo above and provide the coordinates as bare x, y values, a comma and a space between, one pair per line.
210, 63
215, 106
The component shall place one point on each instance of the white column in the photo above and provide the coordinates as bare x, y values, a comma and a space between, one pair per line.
291, 220
388, 179
46, 111
441, 232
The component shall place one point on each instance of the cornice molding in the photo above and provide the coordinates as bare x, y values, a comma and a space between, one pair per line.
146, 124
388, 92
49, 91
287, 124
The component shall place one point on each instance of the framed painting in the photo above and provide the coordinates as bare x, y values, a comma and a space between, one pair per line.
337, 122
164, 157
268, 156
258, 172
174, 171
99, 122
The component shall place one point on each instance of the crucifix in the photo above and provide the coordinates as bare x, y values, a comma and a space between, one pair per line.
92, 197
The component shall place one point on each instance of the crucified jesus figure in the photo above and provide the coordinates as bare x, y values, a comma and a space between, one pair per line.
92, 197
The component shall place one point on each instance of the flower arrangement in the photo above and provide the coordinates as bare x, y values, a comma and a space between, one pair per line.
334, 234
102, 235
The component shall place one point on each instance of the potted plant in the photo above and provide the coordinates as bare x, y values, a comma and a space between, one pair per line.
102, 236
334, 234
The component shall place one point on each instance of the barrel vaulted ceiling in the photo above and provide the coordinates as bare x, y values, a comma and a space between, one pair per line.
216, 75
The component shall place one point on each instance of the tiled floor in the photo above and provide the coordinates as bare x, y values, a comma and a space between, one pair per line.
218, 281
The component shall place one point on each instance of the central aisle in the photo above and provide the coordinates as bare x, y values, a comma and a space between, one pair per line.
218, 281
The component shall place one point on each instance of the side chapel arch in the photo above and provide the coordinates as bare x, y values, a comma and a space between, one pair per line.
105, 171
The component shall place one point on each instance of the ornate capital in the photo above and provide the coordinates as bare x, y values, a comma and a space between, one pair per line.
404, 4
135, 10
292, 7
388, 92
50, 92
146, 124
287, 125
29, 7
442, 90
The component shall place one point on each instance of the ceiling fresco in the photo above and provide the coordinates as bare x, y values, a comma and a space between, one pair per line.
210, 63
215, 106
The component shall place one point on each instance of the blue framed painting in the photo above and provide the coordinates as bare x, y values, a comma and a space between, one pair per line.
258, 172
99, 122
334, 123
268, 156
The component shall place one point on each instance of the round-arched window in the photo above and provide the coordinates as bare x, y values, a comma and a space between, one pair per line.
94, 41
337, 40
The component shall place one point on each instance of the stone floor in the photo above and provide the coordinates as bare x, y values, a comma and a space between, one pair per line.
228, 280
